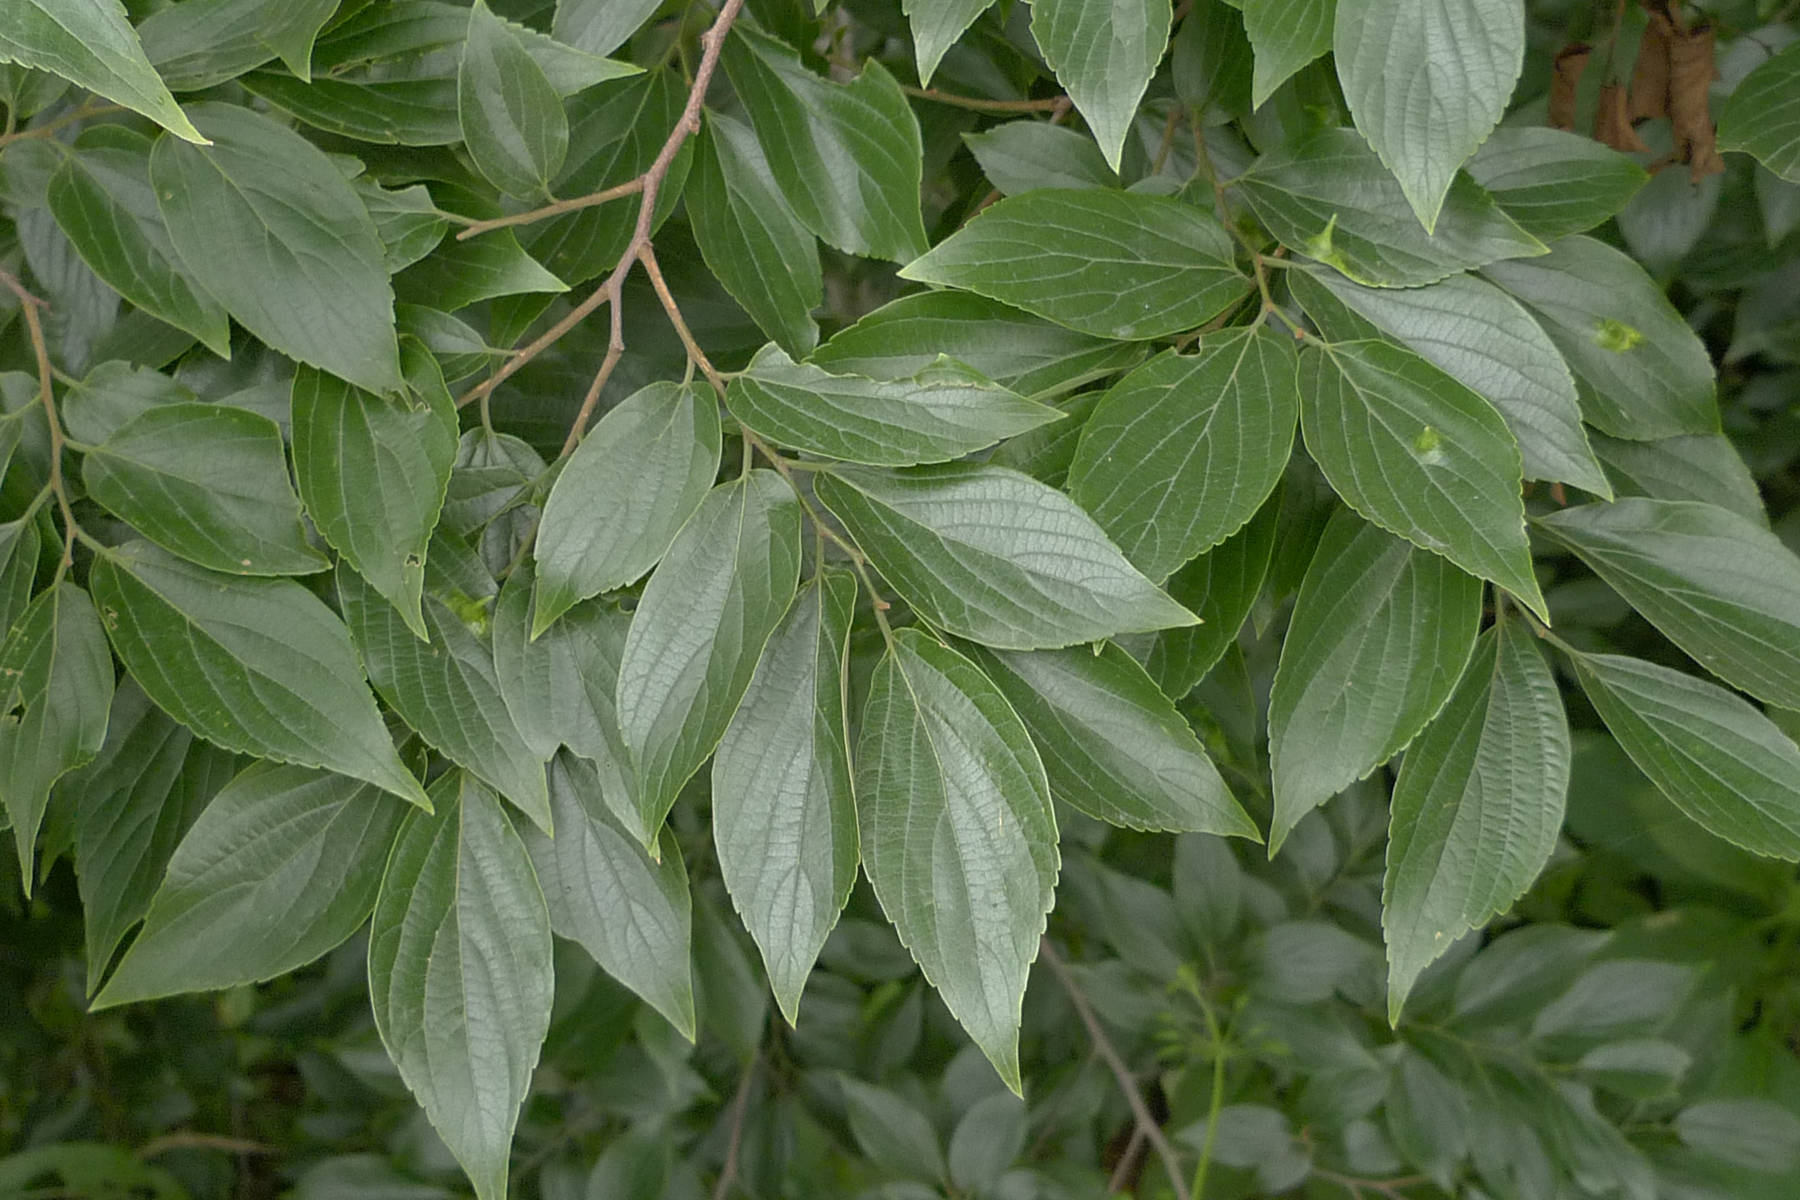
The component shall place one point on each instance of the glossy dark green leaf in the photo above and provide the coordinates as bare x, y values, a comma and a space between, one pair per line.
1211, 63
1330, 198
695, 638
259, 666
943, 412
19, 546
264, 221
512, 119
459, 973
57, 680
104, 204
1699, 466
280, 867
1762, 118
1477, 808
91, 43
958, 836
1708, 750
646, 465
630, 912
847, 156
208, 482
1021, 156
749, 237
1185, 449
784, 816
1014, 349
1641, 371
1103, 53
1113, 746
1721, 587
1111, 264
1285, 35
995, 556
1419, 454
445, 687
135, 800
373, 471
1379, 638
1554, 183
404, 112
1488, 342
1427, 83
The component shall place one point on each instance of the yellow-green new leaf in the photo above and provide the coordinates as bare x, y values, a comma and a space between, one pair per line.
958, 836
91, 43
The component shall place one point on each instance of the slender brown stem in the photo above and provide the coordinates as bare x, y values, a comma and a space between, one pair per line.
29, 305
1354, 1184
629, 188
981, 104
201, 1141
1109, 1054
592, 399
740, 1104
697, 356
49, 127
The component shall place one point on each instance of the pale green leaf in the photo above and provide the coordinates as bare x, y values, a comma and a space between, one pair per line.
1419, 454
1697, 466
280, 867
1552, 182
259, 666
1477, 808
936, 24
958, 836
1284, 35
784, 817
1184, 450
989, 554
1721, 587
1111, 264
1379, 638
1756, 1134
945, 411
459, 973
1104, 53
1762, 118
91, 43
695, 638
599, 26
512, 118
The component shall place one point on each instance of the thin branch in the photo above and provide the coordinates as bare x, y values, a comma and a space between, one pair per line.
980, 104
1354, 1184
651, 181
740, 1104
34, 327
589, 401
1110, 1055
83, 113
556, 209
201, 1141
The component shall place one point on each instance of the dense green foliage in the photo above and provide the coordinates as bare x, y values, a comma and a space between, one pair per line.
603, 598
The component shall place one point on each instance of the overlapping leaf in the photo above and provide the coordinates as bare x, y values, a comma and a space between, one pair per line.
1554, 183
1763, 115
91, 43
1103, 53
512, 119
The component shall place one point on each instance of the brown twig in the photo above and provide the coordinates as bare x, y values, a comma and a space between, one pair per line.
981, 104
740, 1103
1110, 1056
69, 118
556, 209
201, 1141
29, 304
612, 290
1354, 1184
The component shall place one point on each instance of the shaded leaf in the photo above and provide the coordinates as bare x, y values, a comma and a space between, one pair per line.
1021, 156
1699, 466
1762, 117
512, 119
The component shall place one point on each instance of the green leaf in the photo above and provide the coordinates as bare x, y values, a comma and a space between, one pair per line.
647, 465
459, 973
847, 156
1701, 466
373, 471
20, 544
1758, 1135
199, 44
751, 239
102, 200
1103, 53
306, 845
136, 799
1220, 587
1484, 339
1708, 750
512, 119
1184, 450
995, 556
1113, 746
458, 273
1285, 35
1637, 1068
720, 592
1419, 454
599, 26
208, 482
989, 1139
57, 681
784, 817
1014, 349
1554, 183
445, 687
1427, 83
631, 913
936, 24
893, 1134
1021, 156
265, 222
1330, 198
1719, 586
1379, 637
1641, 371
91, 43
1477, 808
1211, 63
259, 666
404, 112
1111, 264
943, 412
958, 836
1762, 117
